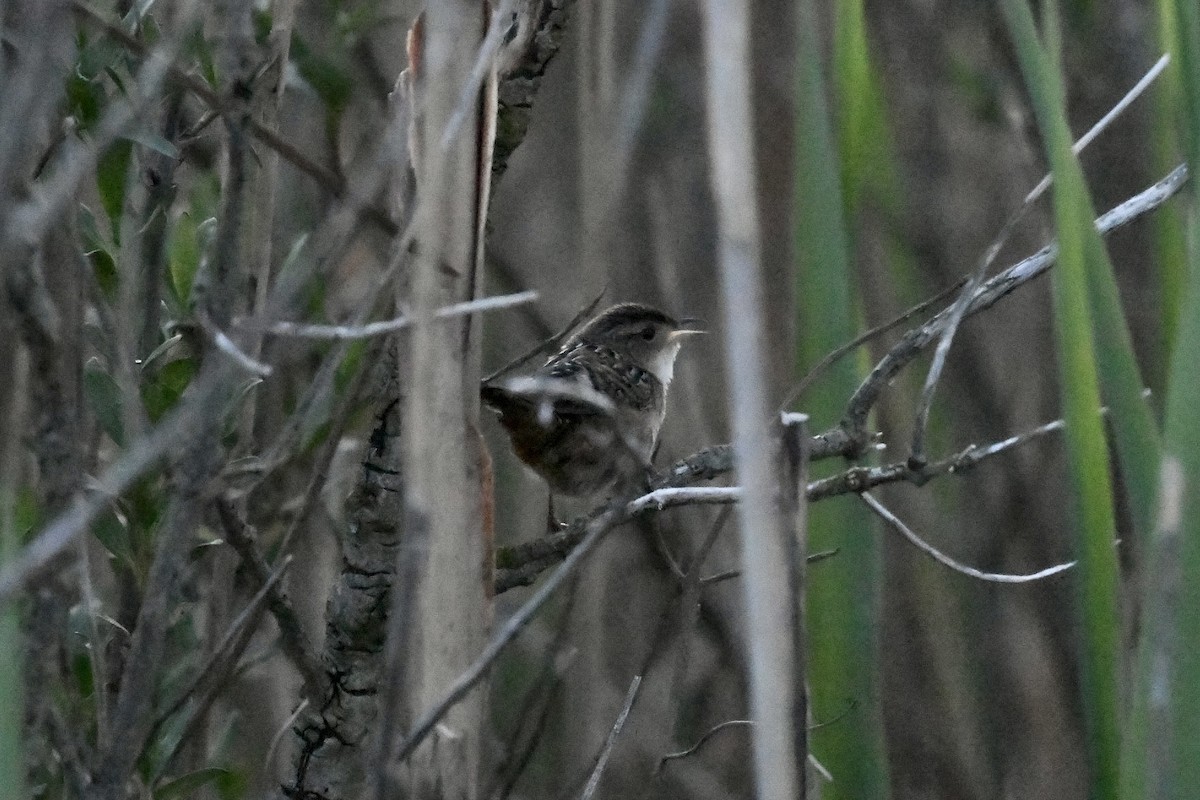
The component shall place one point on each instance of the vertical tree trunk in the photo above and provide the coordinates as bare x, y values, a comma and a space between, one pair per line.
442, 465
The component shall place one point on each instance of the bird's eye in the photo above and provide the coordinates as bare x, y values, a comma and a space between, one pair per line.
648, 333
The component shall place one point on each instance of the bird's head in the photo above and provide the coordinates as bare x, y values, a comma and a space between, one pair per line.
646, 335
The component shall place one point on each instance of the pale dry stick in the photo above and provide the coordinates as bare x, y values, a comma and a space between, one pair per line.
222, 342
440, 412
485, 61
267, 102
370, 329
610, 742
940, 557
400, 639
280, 733
763, 527
958, 311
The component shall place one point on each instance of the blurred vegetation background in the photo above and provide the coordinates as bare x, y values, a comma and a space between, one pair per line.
893, 140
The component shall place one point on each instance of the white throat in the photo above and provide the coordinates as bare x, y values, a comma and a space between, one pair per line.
662, 365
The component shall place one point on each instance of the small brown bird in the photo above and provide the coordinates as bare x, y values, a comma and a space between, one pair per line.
587, 420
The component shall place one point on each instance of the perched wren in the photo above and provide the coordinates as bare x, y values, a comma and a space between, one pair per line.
587, 420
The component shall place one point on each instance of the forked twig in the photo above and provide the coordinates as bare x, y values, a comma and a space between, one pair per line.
917, 457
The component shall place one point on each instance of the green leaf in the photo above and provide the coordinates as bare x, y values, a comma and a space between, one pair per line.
105, 268
262, 21
163, 391
862, 130
232, 786
186, 784
113, 533
98, 249
142, 506
1162, 752
1084, 309
153, 141
104, 398
184, 252
85, 100
12, 703
843, 598
27, 514
111, 174
167, 346
330, 81
350, 364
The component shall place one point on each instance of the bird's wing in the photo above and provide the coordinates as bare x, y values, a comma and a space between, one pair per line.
545, 397
610, 374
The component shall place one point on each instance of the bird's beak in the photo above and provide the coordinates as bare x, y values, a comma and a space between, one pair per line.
688, 326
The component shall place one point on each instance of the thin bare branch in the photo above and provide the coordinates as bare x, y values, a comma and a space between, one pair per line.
212, 675
519, 565
940, 557
764, 531
371, 329
1137, 91
606, 753
704, 737
230, 348
293, 640
594, 533
551, 342
841, 352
